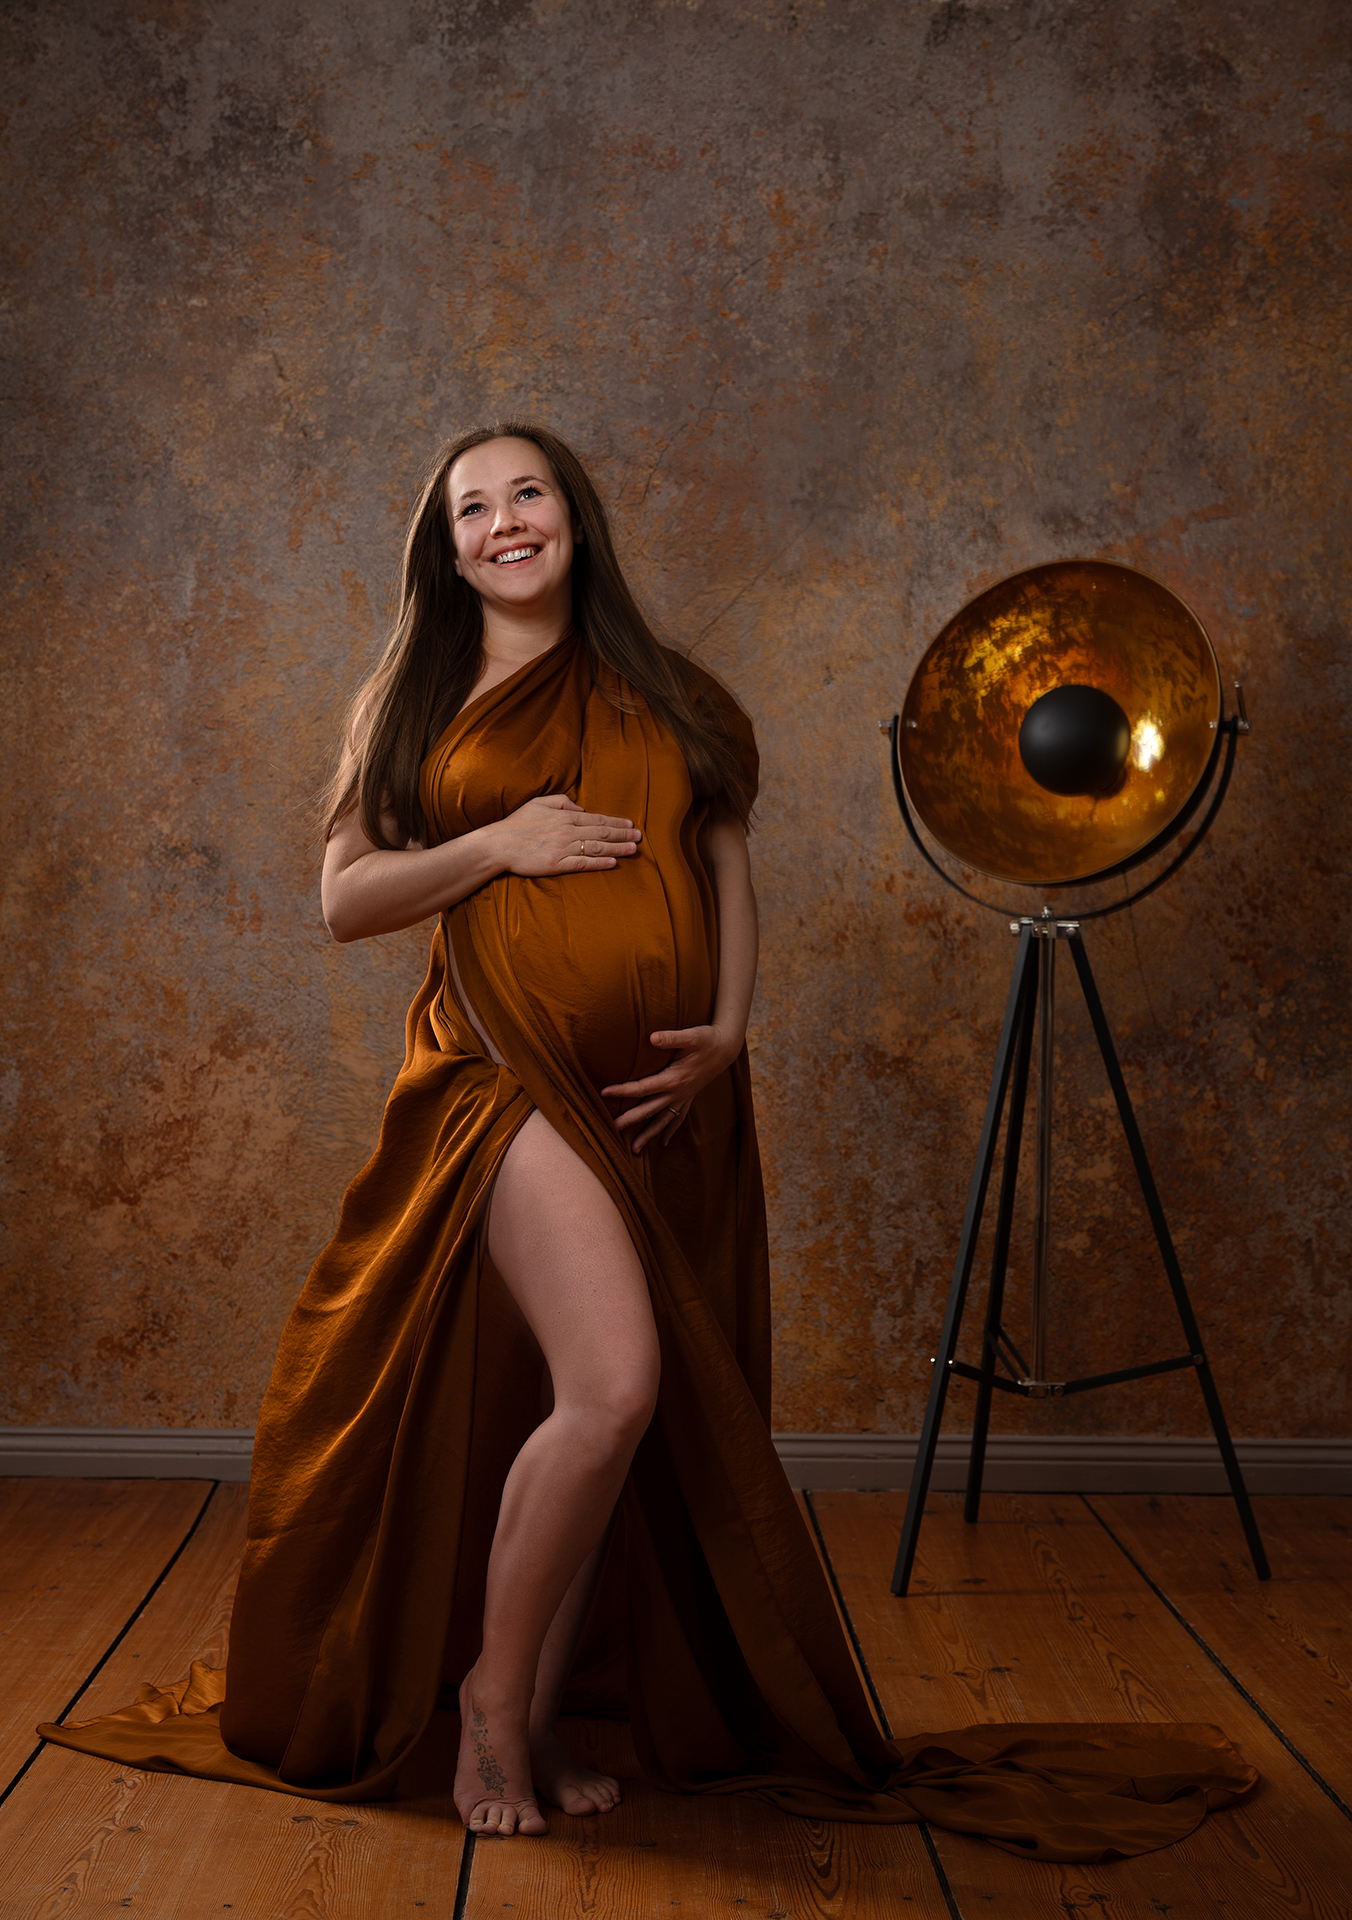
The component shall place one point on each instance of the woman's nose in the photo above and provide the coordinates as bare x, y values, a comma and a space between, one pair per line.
506, 518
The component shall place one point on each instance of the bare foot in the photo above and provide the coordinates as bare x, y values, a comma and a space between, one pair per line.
558, 1779
493, 1790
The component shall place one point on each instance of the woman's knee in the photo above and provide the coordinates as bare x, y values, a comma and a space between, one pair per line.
632, 1405
611, 1411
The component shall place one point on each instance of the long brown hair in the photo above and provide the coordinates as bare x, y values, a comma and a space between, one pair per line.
435, 654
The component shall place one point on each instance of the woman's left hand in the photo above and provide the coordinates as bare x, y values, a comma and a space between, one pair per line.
662, 1100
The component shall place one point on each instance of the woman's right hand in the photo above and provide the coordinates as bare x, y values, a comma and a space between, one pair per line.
369, 890
552, 834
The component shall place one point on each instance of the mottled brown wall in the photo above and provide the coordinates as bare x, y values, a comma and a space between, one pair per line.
857, 308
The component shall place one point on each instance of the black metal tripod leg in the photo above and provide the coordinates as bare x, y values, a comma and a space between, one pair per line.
1024, 968
1191, 1331
1004, 1220
1233, 1472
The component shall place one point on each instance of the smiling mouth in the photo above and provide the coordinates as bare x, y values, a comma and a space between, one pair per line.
514, 556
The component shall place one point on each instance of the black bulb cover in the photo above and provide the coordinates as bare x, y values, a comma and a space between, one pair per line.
1075, 740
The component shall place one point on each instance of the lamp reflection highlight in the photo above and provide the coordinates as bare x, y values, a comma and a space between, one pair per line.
1147, 744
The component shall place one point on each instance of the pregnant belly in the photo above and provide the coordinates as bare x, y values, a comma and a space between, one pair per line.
599, 961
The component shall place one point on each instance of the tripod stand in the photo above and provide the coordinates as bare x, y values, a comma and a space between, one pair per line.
1032, 1004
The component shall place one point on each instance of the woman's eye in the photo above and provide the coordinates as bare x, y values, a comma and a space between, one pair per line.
528, 492
473, 507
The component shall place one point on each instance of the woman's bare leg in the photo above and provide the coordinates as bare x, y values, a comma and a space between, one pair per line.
577, 1790
564, 1255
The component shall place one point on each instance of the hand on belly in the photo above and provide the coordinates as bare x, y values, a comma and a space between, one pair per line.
652, 1106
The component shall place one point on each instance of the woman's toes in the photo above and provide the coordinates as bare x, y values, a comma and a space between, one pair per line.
583, 1793
575, 1790
498, 1819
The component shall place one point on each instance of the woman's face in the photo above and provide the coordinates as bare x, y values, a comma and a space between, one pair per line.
511, 525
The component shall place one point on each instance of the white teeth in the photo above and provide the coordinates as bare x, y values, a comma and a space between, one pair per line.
517, 553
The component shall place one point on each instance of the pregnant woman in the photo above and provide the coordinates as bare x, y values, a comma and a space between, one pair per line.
599, 949
516, 1446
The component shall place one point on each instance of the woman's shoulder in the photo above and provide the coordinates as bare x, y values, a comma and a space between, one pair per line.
706, 688
720, 708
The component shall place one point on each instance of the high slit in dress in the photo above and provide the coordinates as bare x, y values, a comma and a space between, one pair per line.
405, 1384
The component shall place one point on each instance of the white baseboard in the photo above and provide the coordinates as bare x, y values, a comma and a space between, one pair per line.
1015, 1463
1068, 1463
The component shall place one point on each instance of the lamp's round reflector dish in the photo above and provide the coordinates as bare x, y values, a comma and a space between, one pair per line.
1084, 623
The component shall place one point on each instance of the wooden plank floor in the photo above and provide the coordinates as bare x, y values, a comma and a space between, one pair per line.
82, 1837
74, 1555
1111, 1608
734, 1856
1036, 1613
1288, 1640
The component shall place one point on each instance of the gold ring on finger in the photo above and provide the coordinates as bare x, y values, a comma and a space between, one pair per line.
582, 847
675, 1110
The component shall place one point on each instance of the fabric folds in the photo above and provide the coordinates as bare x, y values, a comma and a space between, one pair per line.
404, 1383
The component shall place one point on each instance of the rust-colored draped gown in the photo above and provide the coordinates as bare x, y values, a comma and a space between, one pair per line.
405, 1384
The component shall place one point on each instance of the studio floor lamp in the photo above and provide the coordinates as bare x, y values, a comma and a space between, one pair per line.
1066, 726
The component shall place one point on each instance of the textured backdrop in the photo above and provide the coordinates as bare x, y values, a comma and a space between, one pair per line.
856, 309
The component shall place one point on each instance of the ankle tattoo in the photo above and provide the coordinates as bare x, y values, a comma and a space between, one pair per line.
494, 1779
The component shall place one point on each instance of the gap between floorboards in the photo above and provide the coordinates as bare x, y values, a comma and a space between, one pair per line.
117, 1639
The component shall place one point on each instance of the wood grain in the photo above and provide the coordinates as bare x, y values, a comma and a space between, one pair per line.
1288, 1640
81, 1837
677, 1855
76, 1556
1034, 1614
